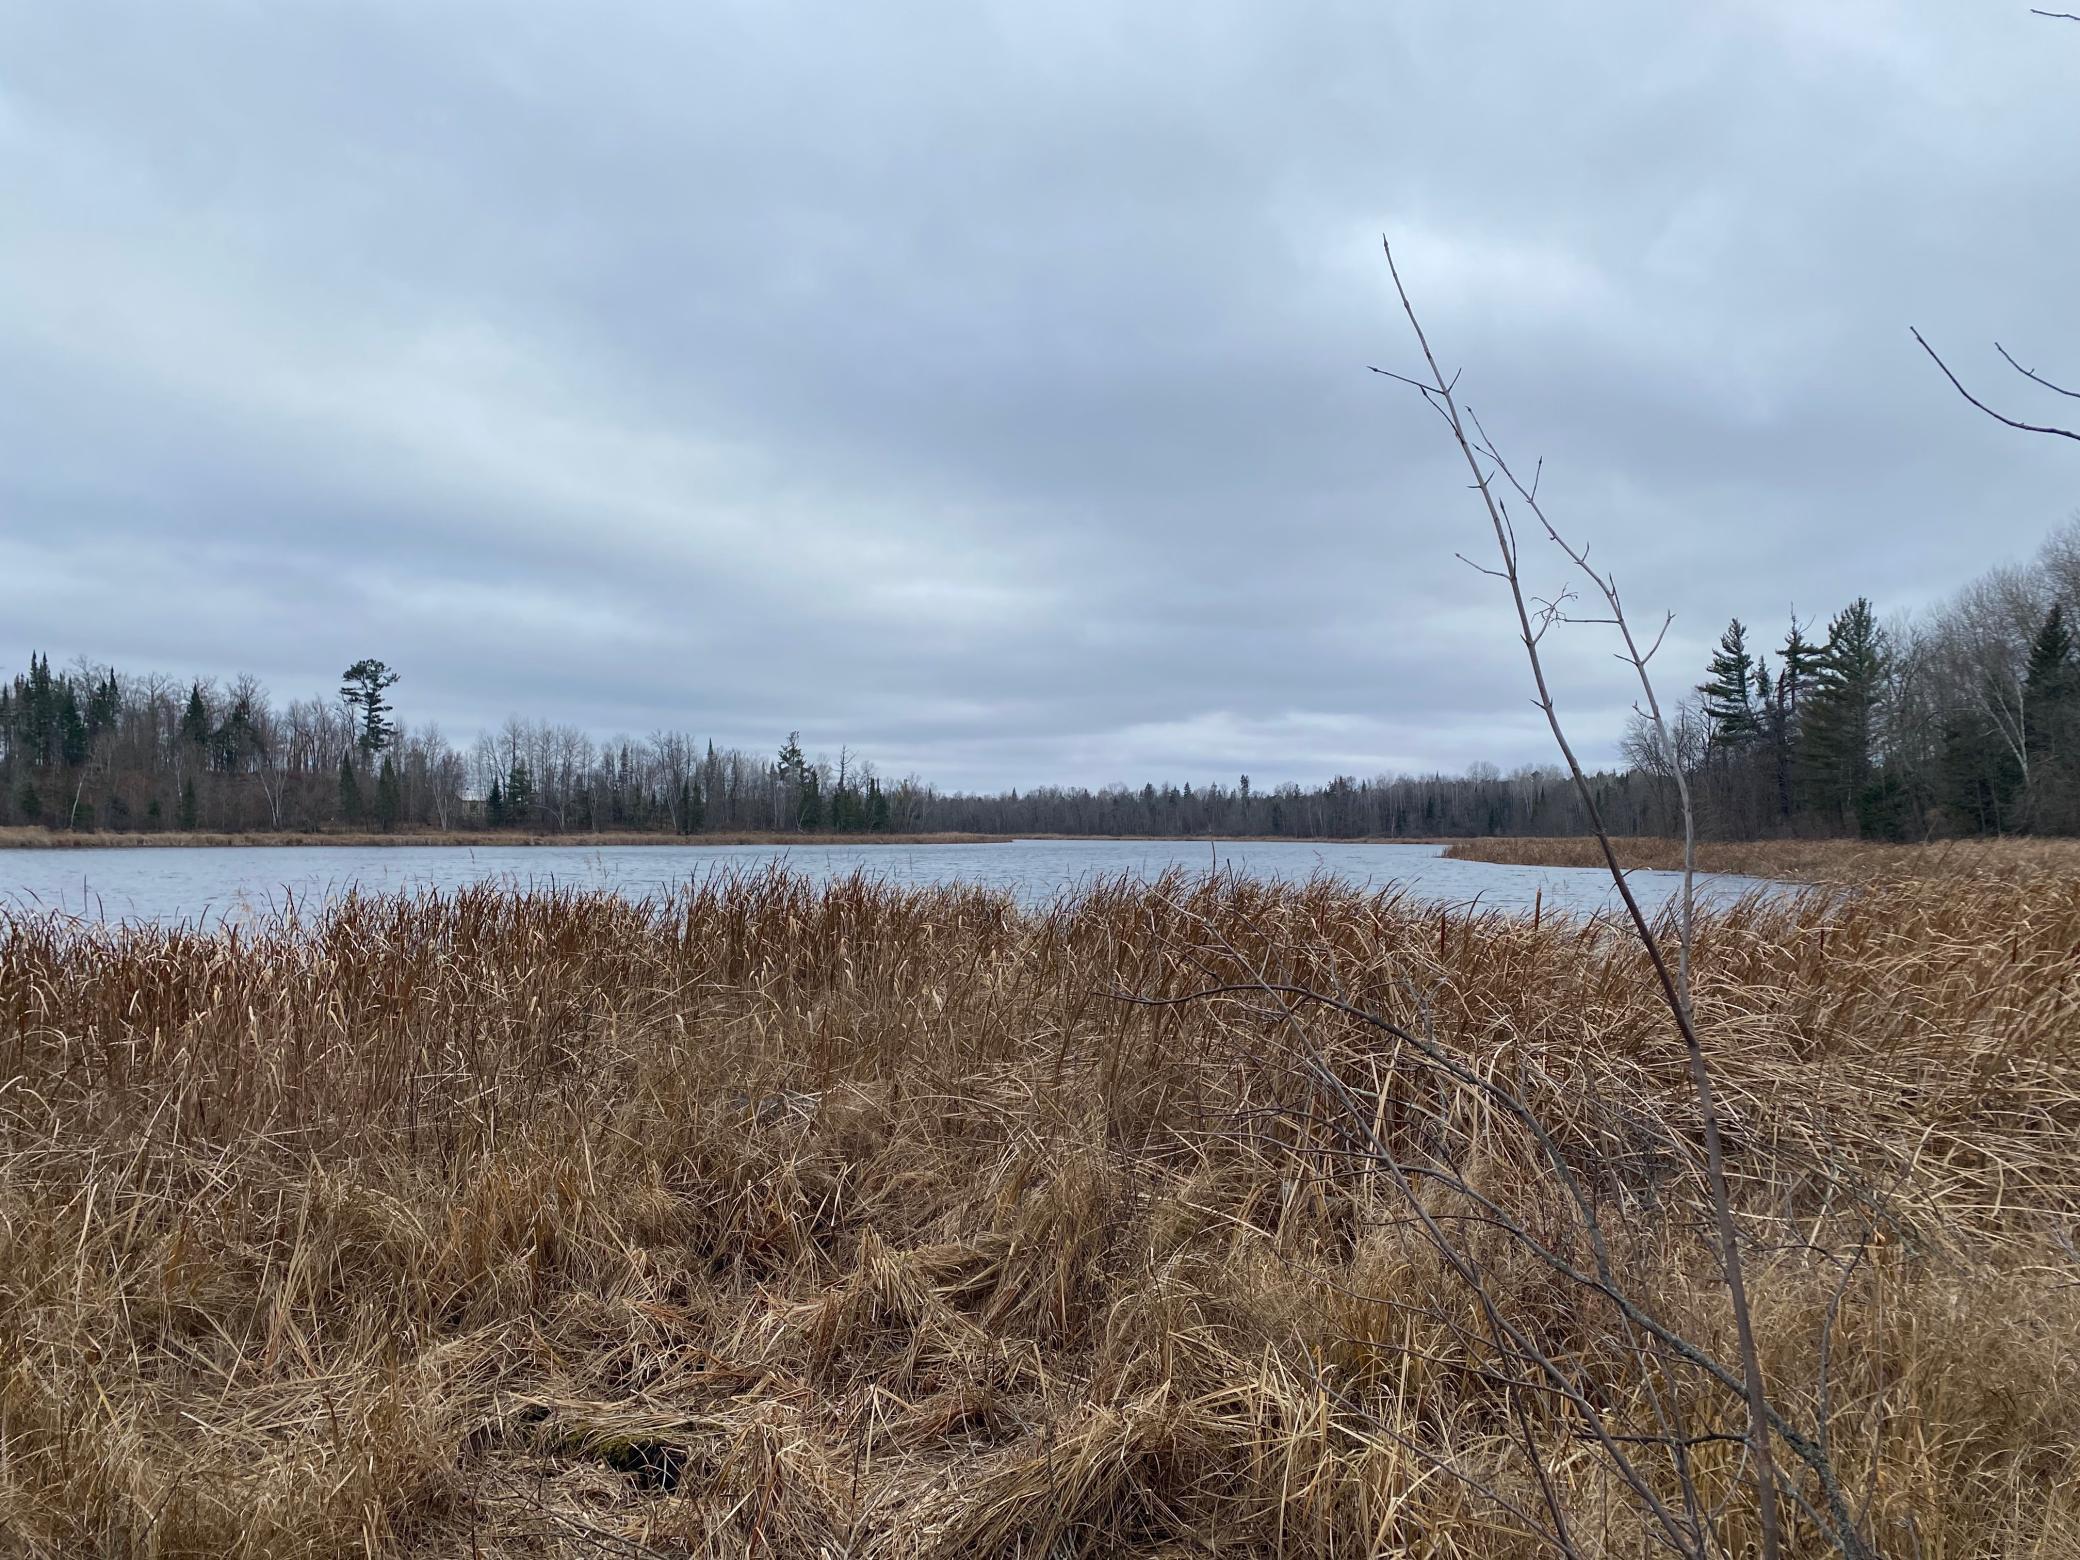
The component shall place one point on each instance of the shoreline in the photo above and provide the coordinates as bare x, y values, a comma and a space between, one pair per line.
53, 839
1812, 861
43, 839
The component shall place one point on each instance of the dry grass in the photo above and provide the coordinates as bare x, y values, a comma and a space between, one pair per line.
88, 839
1804, 861
863, 1220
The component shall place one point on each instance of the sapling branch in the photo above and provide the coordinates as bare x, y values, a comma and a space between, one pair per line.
1674, 990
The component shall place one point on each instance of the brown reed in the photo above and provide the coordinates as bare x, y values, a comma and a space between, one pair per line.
1795, 860
869, 1220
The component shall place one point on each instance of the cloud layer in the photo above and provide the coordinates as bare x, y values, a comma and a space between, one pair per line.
983, 386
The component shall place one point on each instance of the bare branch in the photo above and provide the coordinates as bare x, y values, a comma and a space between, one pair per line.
1753, 1387
2032, 374
2062, 433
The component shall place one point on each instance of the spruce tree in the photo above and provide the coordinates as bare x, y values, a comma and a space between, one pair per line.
74, 741
195, 720
191, 808
104, 705
519, 793
1978, 779
2051, 714
1840, 724
495, 807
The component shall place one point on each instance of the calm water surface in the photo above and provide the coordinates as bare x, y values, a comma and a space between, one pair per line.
210, 885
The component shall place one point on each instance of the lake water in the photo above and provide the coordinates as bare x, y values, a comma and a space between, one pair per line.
207, 885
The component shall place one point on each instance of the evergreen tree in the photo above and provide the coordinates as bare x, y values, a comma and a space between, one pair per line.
191, 809
1840, 725
1797, 662
519, 793
389, 795
29, 802
195, 721
495, 807
809, 815
362, 686
2051, 725
40, 713
693, 812
349, 790
877, 807
1727, 701
74, 741
1979, 779
238, 736
104, 706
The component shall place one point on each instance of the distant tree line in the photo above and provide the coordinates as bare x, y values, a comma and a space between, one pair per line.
1962, 720
89, 748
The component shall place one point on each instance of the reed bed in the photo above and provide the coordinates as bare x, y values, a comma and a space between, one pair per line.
869, 1220
1803, 861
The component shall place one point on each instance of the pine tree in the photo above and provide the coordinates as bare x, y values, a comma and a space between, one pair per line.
191, 809
877, 807
809, 816
389, 795
1797, 662
349, 790
495, 807
1727, 703
362, 686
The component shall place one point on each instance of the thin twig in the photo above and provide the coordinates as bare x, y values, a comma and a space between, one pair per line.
2062, 433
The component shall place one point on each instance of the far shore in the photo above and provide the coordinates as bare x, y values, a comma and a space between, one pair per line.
52, 839
58, 839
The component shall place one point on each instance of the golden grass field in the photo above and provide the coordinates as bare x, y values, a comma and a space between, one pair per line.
869, 1221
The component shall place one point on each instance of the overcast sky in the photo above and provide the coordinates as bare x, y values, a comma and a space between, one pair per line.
984, 386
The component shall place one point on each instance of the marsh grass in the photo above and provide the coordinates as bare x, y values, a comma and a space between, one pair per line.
869, 1220
1805, 861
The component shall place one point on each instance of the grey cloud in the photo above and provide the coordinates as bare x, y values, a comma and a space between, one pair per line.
984, 387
